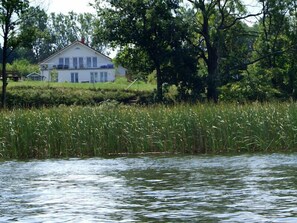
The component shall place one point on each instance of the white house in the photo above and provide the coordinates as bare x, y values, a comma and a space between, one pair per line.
79, 63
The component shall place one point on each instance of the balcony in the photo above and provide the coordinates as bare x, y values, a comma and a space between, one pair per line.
48, 66
62, 67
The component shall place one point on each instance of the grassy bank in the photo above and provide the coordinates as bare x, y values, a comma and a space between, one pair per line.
121, 83
112, 129
36, 94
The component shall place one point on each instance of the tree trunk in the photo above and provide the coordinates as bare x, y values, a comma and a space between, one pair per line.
159, 84
212, 68
158, 75
4, 74
4, 85
212, 92
212, 58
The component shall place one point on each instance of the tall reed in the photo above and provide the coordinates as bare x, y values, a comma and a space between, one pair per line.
111, 129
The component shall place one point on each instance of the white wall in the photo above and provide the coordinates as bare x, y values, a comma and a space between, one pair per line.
78, 50
83, 75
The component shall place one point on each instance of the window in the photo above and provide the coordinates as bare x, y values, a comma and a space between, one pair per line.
61, 61
103, 76
74, 77
66, 65
95, 62
75, 62
67, 61
89, 61
81, 62
94, 77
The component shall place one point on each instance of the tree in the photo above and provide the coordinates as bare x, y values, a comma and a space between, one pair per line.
22, 67
276, 44
10, 12
35, 32
271, 70
146, 25
136, 61
65, 29
213, 20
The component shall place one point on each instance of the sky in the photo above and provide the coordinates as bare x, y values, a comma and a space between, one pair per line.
80, 6
64, 6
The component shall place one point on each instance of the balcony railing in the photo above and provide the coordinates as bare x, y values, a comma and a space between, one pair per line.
46, 66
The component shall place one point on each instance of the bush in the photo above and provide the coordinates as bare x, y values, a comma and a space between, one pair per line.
29, 96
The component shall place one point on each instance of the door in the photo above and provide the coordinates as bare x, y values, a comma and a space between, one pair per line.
74, 77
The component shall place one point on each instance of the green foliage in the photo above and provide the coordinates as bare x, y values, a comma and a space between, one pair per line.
10, 14
151, 28
121, 83
204, 48
34, 35
41, 34
67, 28
26, 96
276, 43
22, 67
151, 78
136, 60
255, 85
110, 129
54, 75
170, 93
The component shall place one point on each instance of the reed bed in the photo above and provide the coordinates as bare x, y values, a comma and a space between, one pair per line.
112, 129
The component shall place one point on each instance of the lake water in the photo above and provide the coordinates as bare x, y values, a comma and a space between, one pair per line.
245, 188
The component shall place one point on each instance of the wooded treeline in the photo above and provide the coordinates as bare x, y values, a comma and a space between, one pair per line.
41, 34
205, 48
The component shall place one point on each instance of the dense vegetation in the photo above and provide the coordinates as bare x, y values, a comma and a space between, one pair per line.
207, 49
195, 50
29, 94
111, 129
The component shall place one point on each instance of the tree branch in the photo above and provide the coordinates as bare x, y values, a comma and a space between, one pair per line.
239, 19
278, 52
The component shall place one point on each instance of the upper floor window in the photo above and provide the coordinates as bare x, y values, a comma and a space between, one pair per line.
81, 62
75, 62
67, 62
61, 61
95, 62
89, 61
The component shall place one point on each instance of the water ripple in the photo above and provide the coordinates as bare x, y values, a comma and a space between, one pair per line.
247, 188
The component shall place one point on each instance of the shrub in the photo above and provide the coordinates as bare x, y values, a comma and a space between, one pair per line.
28, 97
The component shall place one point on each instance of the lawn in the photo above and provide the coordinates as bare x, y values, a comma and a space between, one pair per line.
120, 83
29, 94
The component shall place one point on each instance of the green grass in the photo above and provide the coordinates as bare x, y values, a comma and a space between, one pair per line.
113, 129
120, 83
29, 94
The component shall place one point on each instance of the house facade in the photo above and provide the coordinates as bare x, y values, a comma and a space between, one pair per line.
78, 63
